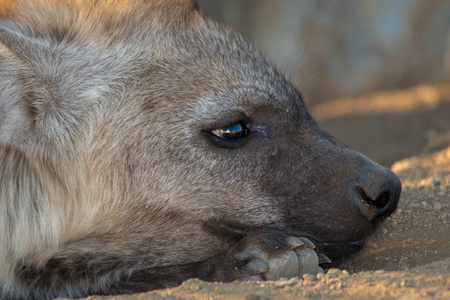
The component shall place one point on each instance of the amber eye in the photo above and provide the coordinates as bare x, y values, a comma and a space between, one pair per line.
233, 132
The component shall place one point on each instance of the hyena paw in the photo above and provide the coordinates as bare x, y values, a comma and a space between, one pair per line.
299, 259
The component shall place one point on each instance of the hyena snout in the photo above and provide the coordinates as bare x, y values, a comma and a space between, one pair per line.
377, 193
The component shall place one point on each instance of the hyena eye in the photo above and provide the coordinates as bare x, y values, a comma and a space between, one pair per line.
233, 132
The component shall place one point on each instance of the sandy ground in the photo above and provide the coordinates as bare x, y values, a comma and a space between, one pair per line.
410, 256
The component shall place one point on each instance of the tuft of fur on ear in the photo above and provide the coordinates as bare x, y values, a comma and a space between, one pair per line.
48, 88
32, 96
14, 115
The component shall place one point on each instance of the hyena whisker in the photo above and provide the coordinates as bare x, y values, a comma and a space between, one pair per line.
268, 207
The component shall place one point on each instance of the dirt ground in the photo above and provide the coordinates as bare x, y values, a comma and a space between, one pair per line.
410, 256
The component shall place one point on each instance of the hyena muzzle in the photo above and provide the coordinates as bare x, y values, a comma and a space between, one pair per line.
142, 144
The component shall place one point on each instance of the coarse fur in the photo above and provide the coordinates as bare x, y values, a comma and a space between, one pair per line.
111, 180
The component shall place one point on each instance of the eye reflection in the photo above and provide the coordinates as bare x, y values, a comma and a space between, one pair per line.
233, 132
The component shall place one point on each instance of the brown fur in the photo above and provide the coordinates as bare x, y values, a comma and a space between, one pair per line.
110, 178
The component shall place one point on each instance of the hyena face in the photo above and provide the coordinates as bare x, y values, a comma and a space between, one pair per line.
141, 145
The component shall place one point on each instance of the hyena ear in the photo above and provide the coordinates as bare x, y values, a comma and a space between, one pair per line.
14, 114
41, 96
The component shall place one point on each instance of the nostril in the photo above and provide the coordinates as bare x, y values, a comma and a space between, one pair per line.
381, 201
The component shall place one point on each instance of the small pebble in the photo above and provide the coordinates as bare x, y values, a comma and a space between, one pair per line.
407, 283
345, 274
333, 271
437, 206
308, 277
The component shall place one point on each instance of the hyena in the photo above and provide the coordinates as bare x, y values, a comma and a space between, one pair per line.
142, 144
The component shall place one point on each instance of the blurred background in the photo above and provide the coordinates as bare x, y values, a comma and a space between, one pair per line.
373, 73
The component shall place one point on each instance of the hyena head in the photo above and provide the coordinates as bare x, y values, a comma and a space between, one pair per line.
137, 137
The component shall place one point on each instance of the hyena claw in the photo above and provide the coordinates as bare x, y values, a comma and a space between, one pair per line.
285, 265
323, 259
299, 260
300, 242
255, 267
308, 261
308, 242
294, 242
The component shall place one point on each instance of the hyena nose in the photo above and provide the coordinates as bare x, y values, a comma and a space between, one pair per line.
378, 194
